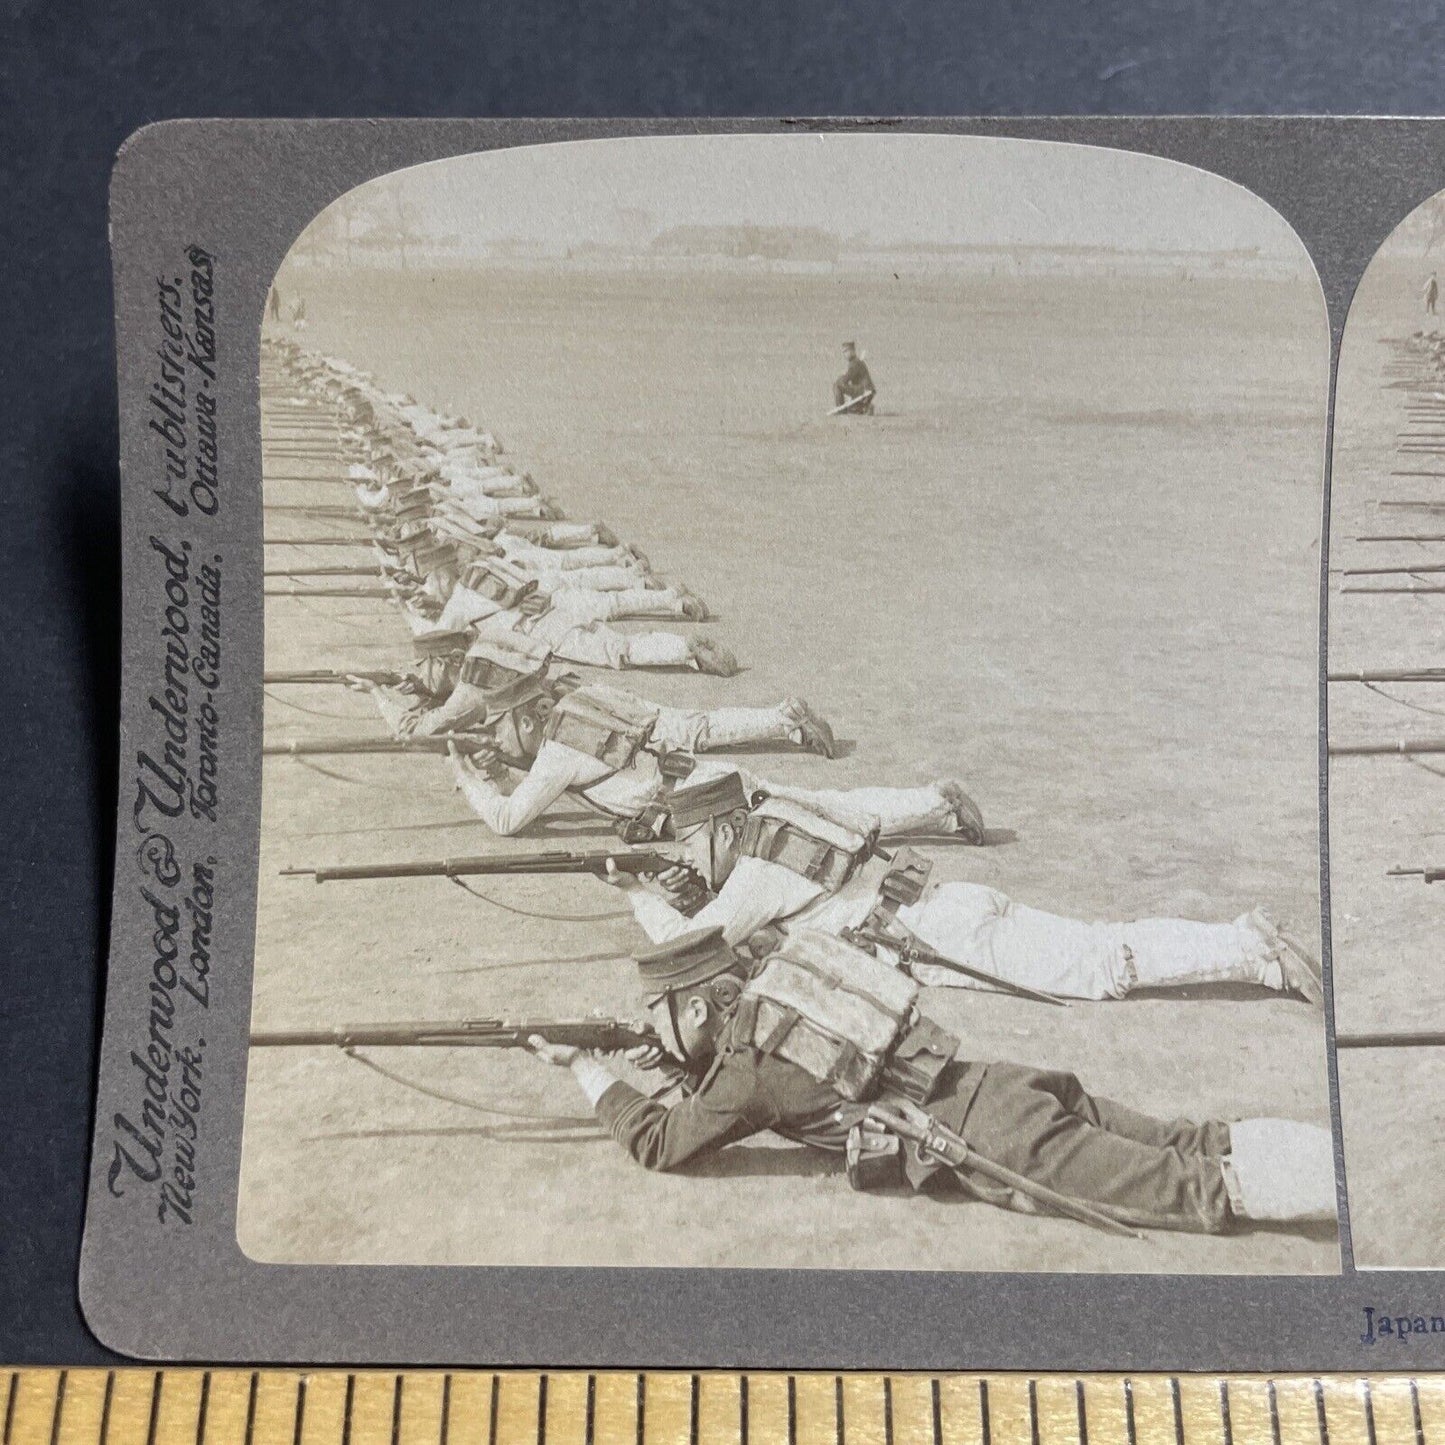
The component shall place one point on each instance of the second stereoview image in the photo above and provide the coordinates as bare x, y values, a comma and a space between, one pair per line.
791, 716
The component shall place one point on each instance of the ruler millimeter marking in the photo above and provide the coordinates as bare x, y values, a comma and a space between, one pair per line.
139, 1406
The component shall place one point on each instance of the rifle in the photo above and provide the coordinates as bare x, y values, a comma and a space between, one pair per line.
853, 401
606, 1036
328, 674
1404, 747
343, 594
1426, 875
337, 569
639, 862
1410, 674
321, 747
905, 1119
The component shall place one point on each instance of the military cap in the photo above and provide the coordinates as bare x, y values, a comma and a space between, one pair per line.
441, 642
694, 958
697, 803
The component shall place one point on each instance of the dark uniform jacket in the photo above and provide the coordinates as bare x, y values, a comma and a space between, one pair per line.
1150, 1171
857, 379
745, 1092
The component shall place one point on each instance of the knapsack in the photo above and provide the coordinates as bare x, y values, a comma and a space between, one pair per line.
604, 722
832, 1009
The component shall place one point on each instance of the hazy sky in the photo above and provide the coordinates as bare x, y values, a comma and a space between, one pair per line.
962, 189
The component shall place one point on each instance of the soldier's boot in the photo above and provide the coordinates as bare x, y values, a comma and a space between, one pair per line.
808, 730
711, 657
1299, 973
968, 819
692, 607
1280, 1171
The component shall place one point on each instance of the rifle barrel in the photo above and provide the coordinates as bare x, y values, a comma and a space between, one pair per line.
1396, 591
1409, 674
1403, 747
343, 593
331, 569
498, 864
329, 675
320, 747
598, 1033
1420, 1040
1397, 571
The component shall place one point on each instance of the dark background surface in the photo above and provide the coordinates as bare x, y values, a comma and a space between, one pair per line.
76, 79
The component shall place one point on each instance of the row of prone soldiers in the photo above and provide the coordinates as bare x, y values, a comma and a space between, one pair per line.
754, 867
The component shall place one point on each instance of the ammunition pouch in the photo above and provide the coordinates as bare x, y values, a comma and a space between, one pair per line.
810, 845
649, 826
874, 1158
900, 887
917, 1061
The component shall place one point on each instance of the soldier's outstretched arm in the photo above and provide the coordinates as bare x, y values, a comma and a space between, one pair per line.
546, 780
754, 896
727, 1106
465, 707
398, 709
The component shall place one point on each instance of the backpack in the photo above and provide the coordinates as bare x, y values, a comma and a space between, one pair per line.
835, 1011
606, 723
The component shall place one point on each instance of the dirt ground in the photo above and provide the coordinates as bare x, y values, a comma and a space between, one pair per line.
1387, 811
1073, 561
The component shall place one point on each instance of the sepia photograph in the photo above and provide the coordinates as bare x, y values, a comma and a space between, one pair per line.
791, 713
1387, 746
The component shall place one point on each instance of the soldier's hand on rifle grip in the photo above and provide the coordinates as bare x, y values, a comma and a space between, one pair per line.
683, 886
562, 1055
462, 768
361, 684
617, 878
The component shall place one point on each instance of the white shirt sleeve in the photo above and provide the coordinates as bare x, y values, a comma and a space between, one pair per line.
755, 895
555, 769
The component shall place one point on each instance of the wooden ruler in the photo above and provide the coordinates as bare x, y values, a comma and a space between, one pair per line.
140, 1406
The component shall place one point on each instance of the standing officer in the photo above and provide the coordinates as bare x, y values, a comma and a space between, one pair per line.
855, 385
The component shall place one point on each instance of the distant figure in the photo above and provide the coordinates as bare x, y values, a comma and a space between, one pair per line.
1432, 294
273, 305
853, 392
298, 314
